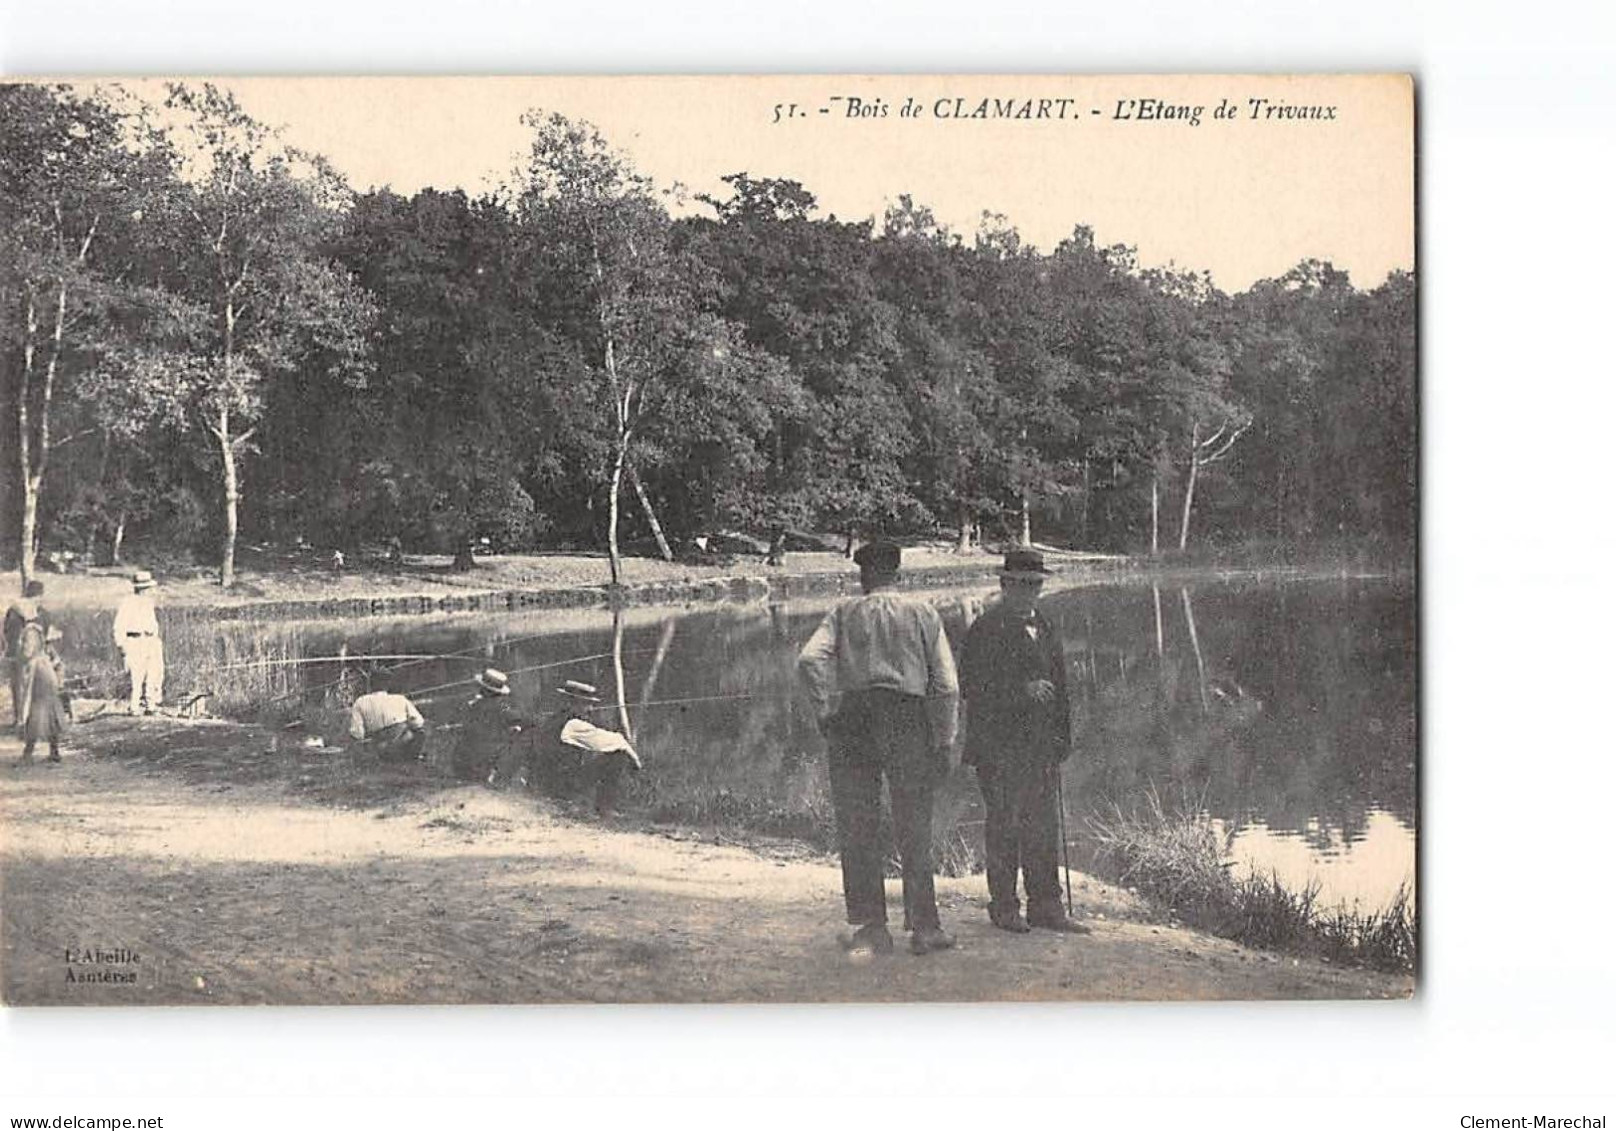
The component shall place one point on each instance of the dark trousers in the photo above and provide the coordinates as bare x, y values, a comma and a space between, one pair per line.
1021, 836
398, 743
883, 733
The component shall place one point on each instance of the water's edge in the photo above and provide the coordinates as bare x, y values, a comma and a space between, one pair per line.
753, 587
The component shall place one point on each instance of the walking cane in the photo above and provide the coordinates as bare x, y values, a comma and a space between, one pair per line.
1066, 852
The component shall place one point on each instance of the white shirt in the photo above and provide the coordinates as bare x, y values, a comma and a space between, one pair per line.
137, 616
380, 710
888, 640
597, 740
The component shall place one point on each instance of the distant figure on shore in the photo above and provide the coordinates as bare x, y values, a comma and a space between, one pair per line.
1018, 732
574, 753
338, 561
388, 724
888, 656
44, 711
24, 611
135, 632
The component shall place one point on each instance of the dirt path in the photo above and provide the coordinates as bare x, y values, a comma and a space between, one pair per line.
240, 893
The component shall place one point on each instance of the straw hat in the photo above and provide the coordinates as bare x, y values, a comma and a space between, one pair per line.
577, 689
143, 580
494, 681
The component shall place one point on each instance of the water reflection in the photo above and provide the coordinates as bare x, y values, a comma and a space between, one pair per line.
1285, 710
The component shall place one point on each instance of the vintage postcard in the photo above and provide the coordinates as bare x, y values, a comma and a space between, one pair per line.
708, 539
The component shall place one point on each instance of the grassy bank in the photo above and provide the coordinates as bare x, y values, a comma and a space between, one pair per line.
1178, 859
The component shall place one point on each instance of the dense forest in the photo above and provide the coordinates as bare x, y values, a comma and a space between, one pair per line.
206, 336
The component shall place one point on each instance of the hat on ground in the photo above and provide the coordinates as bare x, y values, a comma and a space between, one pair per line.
494, 681
1027, 565
577, 689
883, 556
143, 579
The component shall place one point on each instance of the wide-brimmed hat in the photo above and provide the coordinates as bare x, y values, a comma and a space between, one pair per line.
577, 689
143, 579
883, 556
494, 681
1024, 565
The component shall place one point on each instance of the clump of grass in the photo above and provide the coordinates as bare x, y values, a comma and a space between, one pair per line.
725, 808
1178, 859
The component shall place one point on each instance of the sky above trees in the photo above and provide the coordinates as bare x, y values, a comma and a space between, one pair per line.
1242, 199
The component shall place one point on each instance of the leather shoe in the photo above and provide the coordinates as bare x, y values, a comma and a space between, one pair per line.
928, 939
1012, 922
872, 938
1059, 923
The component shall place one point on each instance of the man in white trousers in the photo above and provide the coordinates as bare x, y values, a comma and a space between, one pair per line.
134, 630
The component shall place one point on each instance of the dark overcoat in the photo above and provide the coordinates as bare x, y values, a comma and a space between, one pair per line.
1005, 725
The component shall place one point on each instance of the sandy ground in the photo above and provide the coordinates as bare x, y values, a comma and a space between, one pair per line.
255, 888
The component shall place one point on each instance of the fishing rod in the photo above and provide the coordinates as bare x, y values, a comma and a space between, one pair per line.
354, 658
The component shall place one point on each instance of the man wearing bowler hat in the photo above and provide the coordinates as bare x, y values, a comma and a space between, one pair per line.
1018, 732
889, 658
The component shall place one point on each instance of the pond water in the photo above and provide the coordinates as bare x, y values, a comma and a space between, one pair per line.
1285, 710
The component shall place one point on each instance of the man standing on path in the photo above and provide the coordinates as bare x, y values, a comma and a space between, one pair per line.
889, 658
134, 631
1018, 732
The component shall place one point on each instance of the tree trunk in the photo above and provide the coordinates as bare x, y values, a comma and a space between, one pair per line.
650, 514
1083, 515
1026, 522
612, 511
25, 462
465, 559
117, 536
847, 550
1189, 488
1155, 514
227, 451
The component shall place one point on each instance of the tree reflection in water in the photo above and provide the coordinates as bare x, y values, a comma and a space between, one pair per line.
1286, 710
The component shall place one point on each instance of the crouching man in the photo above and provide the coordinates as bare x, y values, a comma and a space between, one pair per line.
574, 753
388, 725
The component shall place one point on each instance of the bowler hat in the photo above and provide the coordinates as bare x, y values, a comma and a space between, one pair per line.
883, 556
1028, 564
577, 689
494, 681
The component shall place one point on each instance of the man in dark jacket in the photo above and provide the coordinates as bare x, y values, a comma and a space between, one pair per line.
1018, 732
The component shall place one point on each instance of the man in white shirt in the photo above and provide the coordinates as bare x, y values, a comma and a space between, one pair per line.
388, 724
573, 750
134, 631
888, 656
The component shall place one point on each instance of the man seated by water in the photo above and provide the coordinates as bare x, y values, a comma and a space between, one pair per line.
489, 747
388, 724
574, 752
